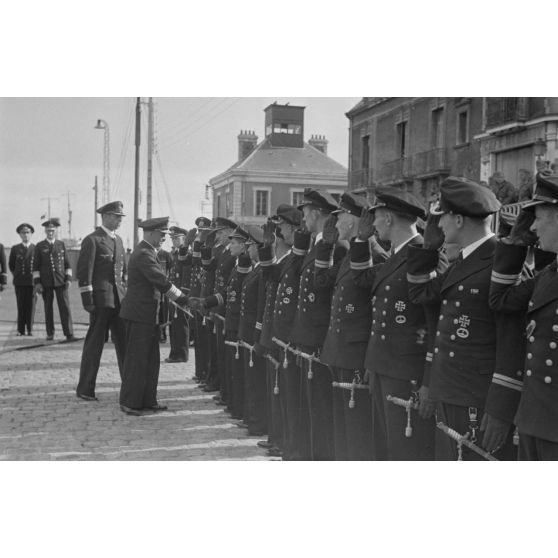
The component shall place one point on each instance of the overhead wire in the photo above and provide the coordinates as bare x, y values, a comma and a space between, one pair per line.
179, 121
124, 151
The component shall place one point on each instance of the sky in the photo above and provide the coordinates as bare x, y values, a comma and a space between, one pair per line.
49, 148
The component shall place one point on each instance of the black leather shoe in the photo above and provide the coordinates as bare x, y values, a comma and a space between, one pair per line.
264, 444
216, 397
133, 412
49, 337
87, 397
174, 360
210, 388
241, 425
158, 408
274, 452
70, 338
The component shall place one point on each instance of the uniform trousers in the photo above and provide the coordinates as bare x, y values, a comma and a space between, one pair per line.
141, 365
220, 335
274, 417
25, 299
179, 334
352, 424
296, 435
317, 402
255, 393
101, 320
420, 445
532, 448
201, 347
457, 417
236, 370
163, 318
63, 301
212, 378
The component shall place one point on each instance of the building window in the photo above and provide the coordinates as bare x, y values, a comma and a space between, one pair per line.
401, 135
219, 205
462, 127
282, 128
365, 152
297, 197
261, 205
437, 131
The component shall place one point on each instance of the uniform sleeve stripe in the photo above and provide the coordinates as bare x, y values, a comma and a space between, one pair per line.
323, 264
86, 289
173, 293
244, 269
357, 266
507, 384
258, 326
182, 258
196, 254
418, 279
507, 379
504, 279
429, 357
268, 263
299, 252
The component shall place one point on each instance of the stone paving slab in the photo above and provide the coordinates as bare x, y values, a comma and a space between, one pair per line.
42, 419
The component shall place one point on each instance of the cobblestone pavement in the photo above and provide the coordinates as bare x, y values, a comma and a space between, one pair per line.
42, 419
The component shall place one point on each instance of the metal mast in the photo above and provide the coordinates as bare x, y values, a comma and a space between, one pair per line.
150, 142
102, 125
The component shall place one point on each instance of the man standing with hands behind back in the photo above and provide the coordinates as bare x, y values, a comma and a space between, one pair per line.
101, 273
52, 275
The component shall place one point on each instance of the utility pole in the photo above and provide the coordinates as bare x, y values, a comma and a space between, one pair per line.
103, 125
95, 214
69, 217
48, 200
149, 156
137, 169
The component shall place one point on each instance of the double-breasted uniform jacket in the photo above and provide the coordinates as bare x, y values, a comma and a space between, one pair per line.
198, 272
249, 305
51, 266
314, 300
3, 268
271, 270
21, 264
146, 283
286, 299
231, 297
351, 316
101, 270
218, 271
182, 266
464, 355
537, 413
397, 343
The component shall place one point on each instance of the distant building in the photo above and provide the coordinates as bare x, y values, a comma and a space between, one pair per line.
276, 170
415, 142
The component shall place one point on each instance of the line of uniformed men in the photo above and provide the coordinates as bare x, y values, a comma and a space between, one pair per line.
338, 350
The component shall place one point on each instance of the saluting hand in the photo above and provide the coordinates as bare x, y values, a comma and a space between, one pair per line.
521, 233
366, 227
433, 235
330, 234
269, 233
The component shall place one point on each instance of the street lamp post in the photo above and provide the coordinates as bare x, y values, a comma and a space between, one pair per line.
103, 125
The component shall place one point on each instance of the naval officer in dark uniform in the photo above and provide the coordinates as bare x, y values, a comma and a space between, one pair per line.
101, 275
464, 355
530, 391
397, 346
21, 266
147, 282
347, 335
52, 275
310, 327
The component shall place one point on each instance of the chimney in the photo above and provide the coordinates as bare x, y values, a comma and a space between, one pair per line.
247, 141
319, 142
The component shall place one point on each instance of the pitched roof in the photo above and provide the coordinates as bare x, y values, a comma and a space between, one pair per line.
298, 160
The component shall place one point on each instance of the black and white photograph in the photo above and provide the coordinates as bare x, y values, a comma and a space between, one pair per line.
247, 309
